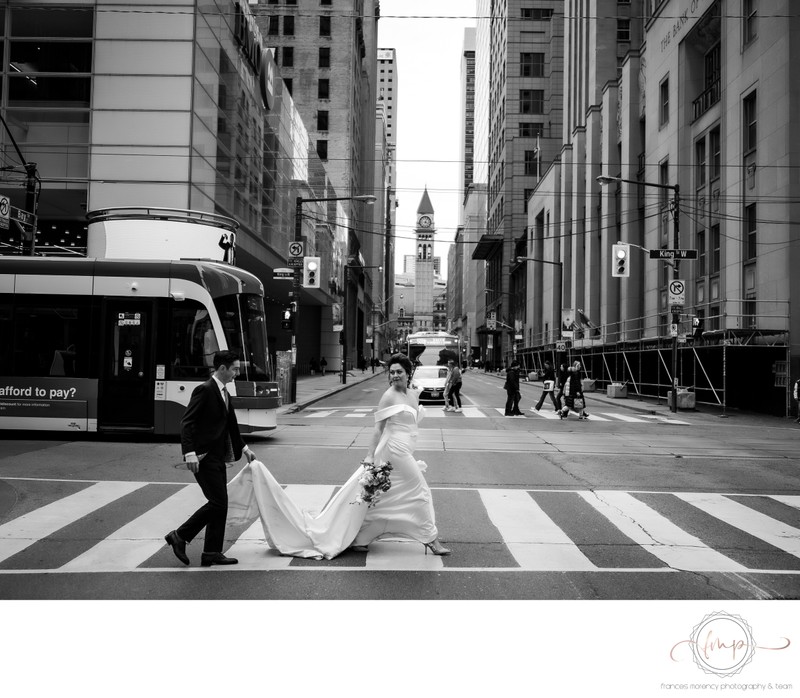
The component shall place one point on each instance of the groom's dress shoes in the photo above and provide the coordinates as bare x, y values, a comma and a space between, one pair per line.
208, 559
178, 546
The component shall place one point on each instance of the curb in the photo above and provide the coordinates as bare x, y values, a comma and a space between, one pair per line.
293, 407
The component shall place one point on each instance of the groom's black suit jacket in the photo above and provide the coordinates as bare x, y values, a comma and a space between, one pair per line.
206, 422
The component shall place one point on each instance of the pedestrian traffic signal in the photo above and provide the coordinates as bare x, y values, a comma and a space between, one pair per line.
620, 259
311, 272
287, 319
697, 327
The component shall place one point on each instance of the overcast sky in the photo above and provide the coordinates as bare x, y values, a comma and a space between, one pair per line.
428, 36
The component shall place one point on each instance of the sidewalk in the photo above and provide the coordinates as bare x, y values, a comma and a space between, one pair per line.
648, 405
310, 389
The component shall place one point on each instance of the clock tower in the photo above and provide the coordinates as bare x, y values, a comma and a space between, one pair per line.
424, 271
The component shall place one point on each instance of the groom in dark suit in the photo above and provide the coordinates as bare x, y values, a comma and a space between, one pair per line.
209, 439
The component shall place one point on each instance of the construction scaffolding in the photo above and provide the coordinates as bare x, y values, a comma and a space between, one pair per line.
742, 362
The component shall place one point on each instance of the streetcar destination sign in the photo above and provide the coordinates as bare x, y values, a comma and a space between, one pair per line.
673, 254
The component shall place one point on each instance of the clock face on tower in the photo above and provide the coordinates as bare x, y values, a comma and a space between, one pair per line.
425, 222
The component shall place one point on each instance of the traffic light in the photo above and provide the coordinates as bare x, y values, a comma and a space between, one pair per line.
310, 272
620, 259
287, 318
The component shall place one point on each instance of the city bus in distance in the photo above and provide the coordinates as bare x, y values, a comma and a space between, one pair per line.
433, 348
430, 352
118, 345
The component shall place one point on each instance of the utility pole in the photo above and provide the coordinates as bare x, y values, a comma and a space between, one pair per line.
676, 316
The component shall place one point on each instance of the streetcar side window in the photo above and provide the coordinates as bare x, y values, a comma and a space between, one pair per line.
193, 341
50, 337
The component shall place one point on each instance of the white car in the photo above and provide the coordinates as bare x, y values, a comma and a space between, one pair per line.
430, 380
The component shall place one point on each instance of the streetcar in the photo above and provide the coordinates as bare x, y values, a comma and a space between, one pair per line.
118, 345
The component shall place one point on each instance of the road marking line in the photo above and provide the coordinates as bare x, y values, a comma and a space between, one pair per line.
659, 535
321, 413
401, 555
623, 417
789, 499
531, 536
774, 532
25, 530
139, 539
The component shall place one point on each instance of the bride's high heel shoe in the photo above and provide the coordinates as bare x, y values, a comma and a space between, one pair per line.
436, 548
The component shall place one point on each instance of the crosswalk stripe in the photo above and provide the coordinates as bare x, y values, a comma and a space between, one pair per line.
474, 412
141, 538
755, 523
502, 412
535, 540
622, 417
788, 499
664, 420
658, 534
545, 413
251, 548
22, 532
530, 535
401, 555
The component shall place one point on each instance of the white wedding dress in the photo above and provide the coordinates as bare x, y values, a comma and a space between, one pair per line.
406, 510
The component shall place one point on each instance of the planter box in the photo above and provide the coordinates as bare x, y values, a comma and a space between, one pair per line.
686, 399
618, 390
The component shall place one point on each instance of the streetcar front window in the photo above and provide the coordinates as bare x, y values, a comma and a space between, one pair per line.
245, 328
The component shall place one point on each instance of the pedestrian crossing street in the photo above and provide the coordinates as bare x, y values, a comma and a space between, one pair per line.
476, 412
87, 527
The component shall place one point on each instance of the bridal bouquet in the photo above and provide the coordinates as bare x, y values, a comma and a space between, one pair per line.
374, 481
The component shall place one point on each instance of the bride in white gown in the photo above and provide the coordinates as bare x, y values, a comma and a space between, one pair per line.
405, 510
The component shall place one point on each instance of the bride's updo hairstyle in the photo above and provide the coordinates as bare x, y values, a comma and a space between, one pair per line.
405, 362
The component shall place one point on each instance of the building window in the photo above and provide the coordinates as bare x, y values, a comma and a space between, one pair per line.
531, 101
274, 25
288, 25
750, 19
289, 84
531, 65
623, 31
749, 312
324, 57
714, 255
325, 25
530, 129
663, 104
323, 88
701, 253
530, 162
539, 14
716, 154
322, 150
288, 56
322, 120
700, 162
750, 122
325, 2
750, 246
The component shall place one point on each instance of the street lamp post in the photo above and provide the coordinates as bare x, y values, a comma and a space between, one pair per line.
347, 267
676, 316
296, 282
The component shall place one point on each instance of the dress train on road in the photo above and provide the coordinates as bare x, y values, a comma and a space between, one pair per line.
405, 511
